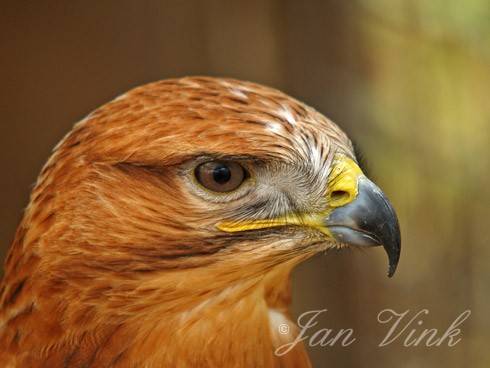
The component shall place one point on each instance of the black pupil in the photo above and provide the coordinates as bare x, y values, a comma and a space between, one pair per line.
221, 174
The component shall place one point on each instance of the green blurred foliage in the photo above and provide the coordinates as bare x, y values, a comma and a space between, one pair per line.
428, 91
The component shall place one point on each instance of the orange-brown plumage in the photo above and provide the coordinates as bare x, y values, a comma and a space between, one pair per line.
118, 261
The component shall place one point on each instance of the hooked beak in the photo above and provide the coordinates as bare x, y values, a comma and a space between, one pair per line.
369, 220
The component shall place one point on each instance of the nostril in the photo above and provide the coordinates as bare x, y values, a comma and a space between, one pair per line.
338, 195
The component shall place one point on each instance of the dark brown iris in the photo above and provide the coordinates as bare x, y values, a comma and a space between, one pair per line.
220, 176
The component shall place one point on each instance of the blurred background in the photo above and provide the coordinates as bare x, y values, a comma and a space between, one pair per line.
408, 80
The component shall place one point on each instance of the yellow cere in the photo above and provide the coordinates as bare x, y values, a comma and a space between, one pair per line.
341, 190
342, 182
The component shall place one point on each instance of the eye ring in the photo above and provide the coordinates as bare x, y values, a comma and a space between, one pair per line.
220, 176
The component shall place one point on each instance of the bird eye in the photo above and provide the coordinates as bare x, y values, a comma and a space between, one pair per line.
220, 176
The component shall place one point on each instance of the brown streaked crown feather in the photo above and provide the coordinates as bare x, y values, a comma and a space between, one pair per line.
116, 263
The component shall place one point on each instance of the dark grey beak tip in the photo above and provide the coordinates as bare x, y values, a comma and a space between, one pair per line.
391, 270
393, 264
393, 249
390, 236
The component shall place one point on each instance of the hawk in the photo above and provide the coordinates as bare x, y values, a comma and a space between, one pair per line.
163, 230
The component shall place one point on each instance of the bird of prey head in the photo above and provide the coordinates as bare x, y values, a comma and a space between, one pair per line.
163, 229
